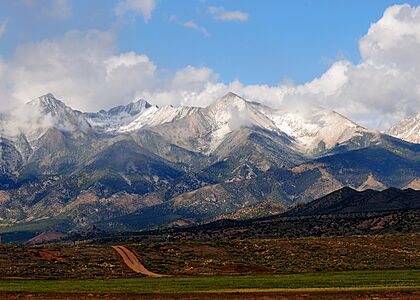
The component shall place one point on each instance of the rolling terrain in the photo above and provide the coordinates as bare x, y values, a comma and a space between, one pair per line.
355, 266
251, 256
345, 212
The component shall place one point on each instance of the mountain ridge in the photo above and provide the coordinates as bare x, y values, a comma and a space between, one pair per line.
407, 129
187, 164
348, 200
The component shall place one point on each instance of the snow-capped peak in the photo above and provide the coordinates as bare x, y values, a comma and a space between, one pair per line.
135, 115
232, 112
132, 108
311, 130
154, 116
47, 112
231, 100
47, 103
314, 128
407, 129
112, 120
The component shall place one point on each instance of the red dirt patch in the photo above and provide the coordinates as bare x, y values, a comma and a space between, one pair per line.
48, 255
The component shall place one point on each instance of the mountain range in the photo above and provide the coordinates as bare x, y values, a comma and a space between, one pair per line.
139, 166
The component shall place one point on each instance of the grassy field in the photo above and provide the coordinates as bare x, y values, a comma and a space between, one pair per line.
353, 279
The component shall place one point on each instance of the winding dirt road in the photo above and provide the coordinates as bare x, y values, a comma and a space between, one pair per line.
131, 260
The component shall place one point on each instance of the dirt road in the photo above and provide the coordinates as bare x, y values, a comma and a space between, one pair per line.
131, 260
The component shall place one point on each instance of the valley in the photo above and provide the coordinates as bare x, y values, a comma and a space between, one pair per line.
235, 199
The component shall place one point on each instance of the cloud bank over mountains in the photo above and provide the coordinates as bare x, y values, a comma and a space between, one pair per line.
85, 69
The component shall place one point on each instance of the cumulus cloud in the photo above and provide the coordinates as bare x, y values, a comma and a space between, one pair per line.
221, 14
71, 66
87, 72
3, 27
142, 8
80, 67
386, 81
192, 78
192, 25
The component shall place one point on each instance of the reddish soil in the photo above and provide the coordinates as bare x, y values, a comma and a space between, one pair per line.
48, 255
131, 260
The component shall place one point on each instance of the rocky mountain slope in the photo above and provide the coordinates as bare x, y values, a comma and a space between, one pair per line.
407, 129
139, 166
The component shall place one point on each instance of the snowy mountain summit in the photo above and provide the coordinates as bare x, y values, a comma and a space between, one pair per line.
47, 112
313, 128
135, 115
407, 129
307, 130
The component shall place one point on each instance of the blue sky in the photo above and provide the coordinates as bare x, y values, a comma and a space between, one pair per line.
281, 40
357, 57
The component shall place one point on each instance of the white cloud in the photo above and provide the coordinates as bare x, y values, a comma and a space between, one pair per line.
5, 99
191, 24
394, 39
3, 27
128, 60
221, 14
58, 9
80, 67
142, 8
193, 78
84, 69
87, 72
